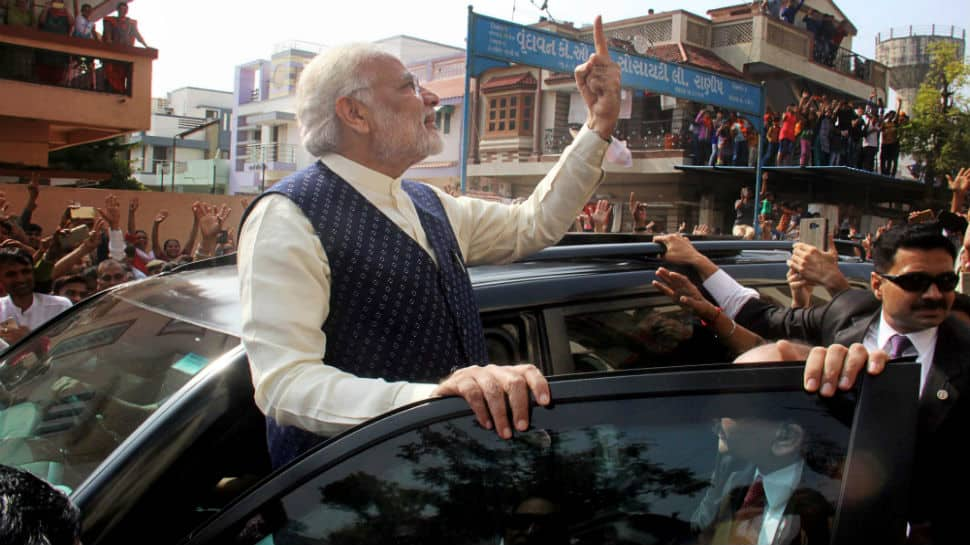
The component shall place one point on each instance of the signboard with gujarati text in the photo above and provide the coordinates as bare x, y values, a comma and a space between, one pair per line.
508, 42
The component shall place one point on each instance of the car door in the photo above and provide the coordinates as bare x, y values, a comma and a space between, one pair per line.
628, 457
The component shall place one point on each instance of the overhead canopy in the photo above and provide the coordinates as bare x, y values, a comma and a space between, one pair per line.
838, 184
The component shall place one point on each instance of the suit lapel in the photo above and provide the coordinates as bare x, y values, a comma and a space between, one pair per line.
856, 331
941, 393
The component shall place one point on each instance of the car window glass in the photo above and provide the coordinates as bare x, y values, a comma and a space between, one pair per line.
648, 470
76, 389
637, 337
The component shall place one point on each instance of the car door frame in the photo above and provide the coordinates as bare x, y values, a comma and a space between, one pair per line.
874, 518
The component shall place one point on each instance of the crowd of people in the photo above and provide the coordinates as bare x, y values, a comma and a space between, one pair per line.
44, 271
54, 68
817, 131
827, 34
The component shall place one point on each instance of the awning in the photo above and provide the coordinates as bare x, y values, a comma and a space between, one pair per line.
839, 184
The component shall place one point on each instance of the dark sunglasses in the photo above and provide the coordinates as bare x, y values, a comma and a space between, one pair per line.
919, 282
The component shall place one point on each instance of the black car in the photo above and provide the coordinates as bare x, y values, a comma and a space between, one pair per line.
138, 402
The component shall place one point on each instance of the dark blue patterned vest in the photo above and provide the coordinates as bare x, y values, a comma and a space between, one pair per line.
394, 314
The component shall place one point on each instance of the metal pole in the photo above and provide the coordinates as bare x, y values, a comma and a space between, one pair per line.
213, 176
174, 139
757, 170
466, 105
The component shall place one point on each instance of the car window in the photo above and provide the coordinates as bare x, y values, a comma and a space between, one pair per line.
633, 470
640, 334
79, 386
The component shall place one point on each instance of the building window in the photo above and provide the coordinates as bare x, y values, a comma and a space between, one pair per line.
509, 115
442, 118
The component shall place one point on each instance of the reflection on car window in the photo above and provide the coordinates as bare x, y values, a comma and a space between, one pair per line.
649, 336
73, 393
630, 471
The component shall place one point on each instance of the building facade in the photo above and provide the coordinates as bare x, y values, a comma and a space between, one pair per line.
266, 146
187, 148
525, 116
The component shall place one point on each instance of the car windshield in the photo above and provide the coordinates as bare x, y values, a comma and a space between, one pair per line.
79, 386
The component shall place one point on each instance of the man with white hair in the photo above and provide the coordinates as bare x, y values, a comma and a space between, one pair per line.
355, 297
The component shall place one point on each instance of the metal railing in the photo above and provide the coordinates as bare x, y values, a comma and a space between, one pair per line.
164, 166
642, 135
275, 152
59, 69
945, 31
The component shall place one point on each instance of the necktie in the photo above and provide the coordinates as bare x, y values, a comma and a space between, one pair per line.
899, 344
747, 520
755, 498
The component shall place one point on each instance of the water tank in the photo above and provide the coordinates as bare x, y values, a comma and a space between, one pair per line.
906, 51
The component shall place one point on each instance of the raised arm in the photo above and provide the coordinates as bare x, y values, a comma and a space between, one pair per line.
682, 291
87, 246
132, 208
959, 186
33, 190
190, 245
157, 248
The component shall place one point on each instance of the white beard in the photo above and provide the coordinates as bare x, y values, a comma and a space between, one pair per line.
399, 138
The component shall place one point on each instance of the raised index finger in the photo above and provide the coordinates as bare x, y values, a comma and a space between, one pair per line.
599, 39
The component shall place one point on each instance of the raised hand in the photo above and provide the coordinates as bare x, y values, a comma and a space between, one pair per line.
601, 215
111, 212
161, 216
210, 218
4, 207
598, 80
683, 292
960, 184
33, 191
94, 237
133, 205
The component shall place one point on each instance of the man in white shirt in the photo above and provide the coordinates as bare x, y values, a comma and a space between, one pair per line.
763, 491
369, 120
22, 310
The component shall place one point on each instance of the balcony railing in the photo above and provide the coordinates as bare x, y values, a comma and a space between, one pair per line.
164, 166
49, 67
271, 153
640, 136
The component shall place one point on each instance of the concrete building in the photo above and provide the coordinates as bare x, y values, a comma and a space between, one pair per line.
524, 115
906, 51
48, 103
187, 148
266, 145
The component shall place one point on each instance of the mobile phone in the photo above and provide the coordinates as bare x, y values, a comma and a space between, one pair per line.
923, 216
75, 236
814, 231
83, 213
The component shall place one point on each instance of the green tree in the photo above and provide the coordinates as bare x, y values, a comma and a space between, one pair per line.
102, 156
939, 131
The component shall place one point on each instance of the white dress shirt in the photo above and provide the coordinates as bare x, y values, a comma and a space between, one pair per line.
731, 296
779, 486
285, 291
43, 308
924, 345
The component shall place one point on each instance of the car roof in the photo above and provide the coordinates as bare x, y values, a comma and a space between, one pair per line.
206, 292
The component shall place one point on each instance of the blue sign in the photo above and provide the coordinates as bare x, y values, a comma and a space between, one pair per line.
508, 42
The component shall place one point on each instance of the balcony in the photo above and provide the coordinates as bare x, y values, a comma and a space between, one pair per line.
763, 45
275, 157
59, 91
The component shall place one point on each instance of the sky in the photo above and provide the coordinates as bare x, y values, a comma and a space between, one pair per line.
200, 42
